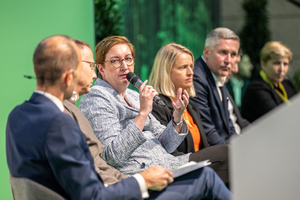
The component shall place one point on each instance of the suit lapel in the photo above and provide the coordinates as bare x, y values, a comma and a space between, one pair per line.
222, 105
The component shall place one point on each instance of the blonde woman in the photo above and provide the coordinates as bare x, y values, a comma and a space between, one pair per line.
270, 88
172, 70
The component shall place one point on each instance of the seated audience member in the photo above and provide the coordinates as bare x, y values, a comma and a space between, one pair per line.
133, 138
238, 78
108, 174
210, 71
269, 89
46, 145
234, 113
173, 69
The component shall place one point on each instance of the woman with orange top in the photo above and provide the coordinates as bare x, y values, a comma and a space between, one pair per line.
173, 69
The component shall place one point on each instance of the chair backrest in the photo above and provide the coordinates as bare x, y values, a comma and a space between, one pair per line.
26, 189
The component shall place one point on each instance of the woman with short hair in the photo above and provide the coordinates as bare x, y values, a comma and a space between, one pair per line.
270, 88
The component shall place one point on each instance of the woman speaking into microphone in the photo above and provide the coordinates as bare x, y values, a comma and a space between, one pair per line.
133, 139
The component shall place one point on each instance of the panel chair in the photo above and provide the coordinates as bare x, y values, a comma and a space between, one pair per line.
26, 189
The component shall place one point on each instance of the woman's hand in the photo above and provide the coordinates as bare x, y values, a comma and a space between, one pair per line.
147, 94
181, 103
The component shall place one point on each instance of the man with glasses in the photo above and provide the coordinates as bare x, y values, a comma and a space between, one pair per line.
108, 174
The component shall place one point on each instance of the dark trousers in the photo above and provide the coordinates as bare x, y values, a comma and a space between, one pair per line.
200, 184
218, 156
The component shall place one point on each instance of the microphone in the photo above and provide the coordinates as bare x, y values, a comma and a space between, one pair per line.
137, 82
29, 77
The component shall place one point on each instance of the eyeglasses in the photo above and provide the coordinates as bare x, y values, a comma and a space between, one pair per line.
92, 65
117, 63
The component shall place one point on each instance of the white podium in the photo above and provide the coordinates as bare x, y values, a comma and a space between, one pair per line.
265, 159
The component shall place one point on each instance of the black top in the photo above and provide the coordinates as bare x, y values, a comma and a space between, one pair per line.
260, 98
165, 115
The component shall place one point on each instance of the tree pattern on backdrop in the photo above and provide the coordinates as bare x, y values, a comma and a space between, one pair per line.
255, 32
108, 20
151, 24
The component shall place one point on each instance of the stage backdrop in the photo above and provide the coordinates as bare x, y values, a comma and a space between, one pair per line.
23, 25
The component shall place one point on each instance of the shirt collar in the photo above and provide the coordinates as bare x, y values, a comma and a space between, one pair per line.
236, 82
219, 80
54, 99
74, 96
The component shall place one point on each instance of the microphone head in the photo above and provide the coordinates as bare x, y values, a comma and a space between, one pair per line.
132, 78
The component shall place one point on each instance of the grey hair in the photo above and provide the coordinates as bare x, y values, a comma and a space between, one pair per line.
213, 37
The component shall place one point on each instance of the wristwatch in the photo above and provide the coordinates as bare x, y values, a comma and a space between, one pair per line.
177, 124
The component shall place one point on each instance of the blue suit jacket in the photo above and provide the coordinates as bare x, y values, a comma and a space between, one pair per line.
214, 112
47, 146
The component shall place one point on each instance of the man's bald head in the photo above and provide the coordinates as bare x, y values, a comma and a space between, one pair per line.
53, 56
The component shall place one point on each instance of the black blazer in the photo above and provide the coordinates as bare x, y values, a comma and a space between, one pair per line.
260, 98
165, 114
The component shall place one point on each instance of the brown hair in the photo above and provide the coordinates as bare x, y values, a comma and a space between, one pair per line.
52, 57
81, 44
106, 44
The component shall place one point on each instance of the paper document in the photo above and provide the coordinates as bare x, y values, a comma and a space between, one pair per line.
189, 167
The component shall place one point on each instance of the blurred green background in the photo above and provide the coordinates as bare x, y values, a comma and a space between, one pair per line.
23, 25
151, 24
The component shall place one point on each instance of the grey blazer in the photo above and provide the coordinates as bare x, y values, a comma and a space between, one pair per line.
126, 147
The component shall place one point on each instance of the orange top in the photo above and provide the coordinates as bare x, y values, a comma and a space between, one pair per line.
193, 129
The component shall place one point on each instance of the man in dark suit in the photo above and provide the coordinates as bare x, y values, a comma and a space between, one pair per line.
46, 145
108, 174
210, 71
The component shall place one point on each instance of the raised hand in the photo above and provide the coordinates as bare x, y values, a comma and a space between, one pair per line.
147, 94
180, 105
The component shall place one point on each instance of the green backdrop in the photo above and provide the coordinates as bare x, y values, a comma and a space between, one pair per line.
23, 24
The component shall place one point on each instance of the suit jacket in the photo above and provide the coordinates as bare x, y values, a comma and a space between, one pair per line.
107, 173
260, 98
165, 115
214, 112
47, 146
126, 147
242, 122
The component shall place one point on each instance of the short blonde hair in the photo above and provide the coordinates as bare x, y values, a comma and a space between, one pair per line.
275, 49
160, 77
106, 44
